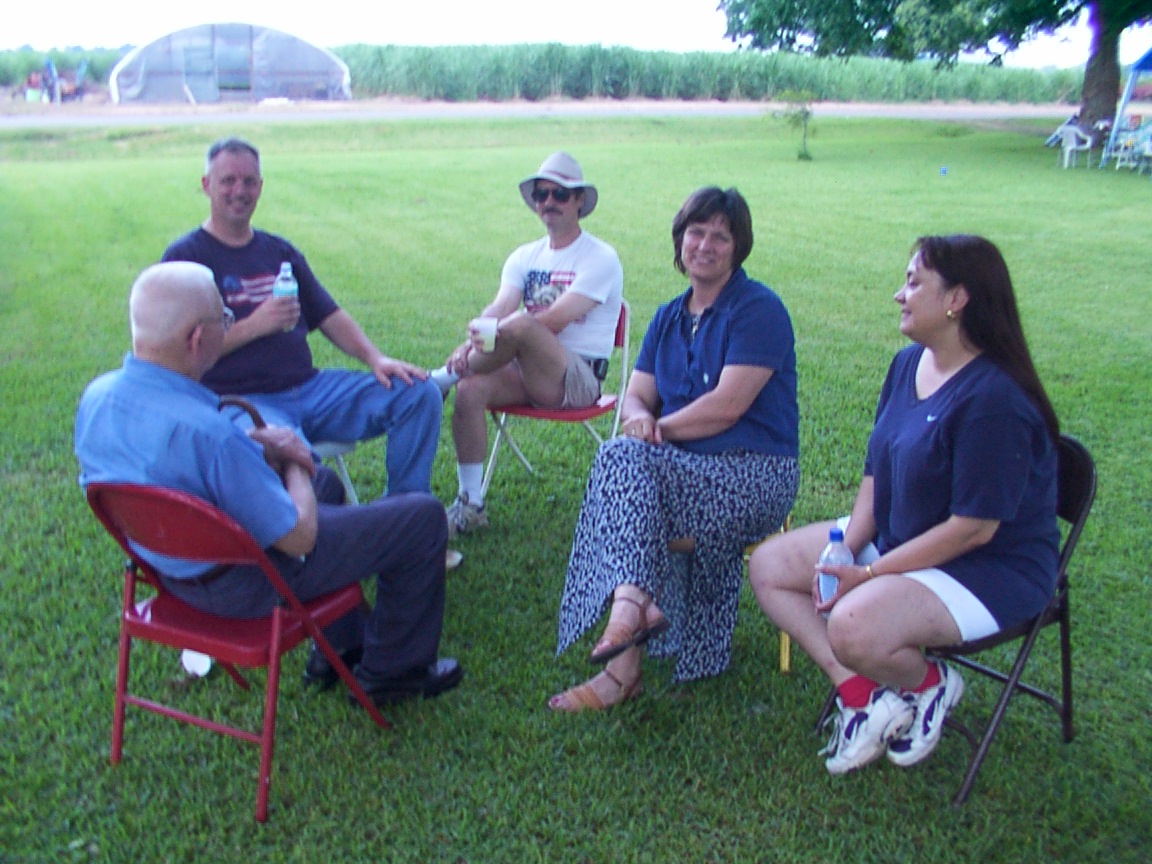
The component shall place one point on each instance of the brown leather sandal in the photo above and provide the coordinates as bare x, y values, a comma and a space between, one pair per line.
583, 697
618, 638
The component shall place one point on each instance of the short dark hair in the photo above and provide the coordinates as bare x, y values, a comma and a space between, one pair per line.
230, 145
701, 206
990, 319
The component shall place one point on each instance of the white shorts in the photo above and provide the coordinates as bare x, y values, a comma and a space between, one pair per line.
972, 617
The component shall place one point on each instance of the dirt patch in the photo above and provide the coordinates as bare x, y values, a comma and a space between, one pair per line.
97, 109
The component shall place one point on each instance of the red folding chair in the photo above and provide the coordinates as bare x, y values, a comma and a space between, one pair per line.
608, 403
184, 526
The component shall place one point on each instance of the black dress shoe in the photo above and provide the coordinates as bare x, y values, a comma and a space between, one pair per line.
438, 678
319, 672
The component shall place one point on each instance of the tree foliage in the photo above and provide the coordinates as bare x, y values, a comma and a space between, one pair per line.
855, 27
941, 29
901, 29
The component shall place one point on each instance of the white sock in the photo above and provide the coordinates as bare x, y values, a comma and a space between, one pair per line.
471, 478
443, 377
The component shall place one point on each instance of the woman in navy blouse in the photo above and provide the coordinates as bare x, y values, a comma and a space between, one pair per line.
954, 526
708, 450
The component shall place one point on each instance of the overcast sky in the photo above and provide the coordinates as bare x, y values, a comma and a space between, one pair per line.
666, 25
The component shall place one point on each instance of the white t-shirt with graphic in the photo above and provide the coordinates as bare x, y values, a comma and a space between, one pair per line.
588, 266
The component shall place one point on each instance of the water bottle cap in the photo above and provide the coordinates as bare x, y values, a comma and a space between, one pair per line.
286, 267
836, 536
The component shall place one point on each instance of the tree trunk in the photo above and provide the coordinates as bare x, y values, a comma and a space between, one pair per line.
1102, 73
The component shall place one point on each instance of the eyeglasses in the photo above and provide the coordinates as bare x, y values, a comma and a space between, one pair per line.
558, 192
227, 319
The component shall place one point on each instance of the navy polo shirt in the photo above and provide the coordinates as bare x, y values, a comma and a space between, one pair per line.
746, 326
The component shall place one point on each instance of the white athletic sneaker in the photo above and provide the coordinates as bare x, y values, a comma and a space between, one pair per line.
861, 735
463, 516
931, 707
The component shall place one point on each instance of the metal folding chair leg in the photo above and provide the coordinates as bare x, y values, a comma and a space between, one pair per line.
502, 434
336, 451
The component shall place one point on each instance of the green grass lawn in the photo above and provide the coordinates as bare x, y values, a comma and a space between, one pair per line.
408, 224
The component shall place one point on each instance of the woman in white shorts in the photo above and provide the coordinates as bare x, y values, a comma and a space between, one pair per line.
954, 525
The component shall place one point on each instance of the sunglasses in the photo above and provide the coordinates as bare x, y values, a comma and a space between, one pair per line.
559, 193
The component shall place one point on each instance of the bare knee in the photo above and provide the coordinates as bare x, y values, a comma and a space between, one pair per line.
862, 632
786, 562
516, 328
848, 640
472, 394
766, 565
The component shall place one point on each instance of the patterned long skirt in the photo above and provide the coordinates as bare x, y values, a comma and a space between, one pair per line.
639, 497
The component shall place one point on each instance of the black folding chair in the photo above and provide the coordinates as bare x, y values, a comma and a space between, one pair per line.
1076, 489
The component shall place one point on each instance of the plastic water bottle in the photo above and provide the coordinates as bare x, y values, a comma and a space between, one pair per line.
834, 553
286, 285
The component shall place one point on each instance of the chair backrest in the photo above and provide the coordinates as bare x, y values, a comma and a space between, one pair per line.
1072, 138
622, 325
171, 523
1075, 492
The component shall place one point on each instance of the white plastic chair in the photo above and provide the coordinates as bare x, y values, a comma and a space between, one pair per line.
1073, 142
1127, 151
1145, 156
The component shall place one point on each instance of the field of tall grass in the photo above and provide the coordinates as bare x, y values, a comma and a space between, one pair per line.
534, 72
579, 72
408, 224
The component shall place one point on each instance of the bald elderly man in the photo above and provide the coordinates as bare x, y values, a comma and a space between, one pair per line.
153, 422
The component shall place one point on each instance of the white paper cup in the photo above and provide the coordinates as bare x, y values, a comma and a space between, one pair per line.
485, 328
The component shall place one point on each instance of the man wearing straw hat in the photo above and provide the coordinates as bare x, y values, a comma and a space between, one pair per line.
555, 322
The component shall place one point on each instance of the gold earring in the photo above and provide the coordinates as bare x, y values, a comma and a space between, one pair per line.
949, 315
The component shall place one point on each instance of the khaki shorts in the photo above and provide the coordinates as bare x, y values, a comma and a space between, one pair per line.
581, 387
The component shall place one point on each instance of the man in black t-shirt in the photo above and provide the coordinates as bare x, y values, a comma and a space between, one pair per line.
266, 355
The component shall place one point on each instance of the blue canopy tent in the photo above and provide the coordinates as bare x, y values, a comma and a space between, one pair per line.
1121, 137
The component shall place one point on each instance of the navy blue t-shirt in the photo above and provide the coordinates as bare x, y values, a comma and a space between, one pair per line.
977, 447
244, 276
746, 326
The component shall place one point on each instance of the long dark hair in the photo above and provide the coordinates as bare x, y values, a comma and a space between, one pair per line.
701, 206
990, 320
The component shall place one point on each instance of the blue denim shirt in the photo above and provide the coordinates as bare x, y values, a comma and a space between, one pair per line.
147, 424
